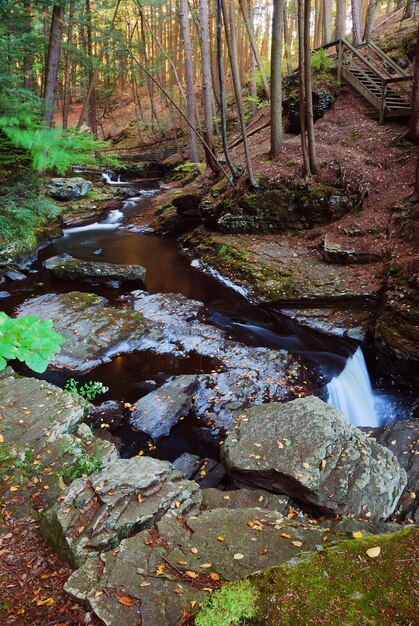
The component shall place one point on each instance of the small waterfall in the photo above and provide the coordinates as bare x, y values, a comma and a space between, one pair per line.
351, 392
115, 217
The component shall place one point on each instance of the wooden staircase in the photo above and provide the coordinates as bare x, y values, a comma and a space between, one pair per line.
377, 77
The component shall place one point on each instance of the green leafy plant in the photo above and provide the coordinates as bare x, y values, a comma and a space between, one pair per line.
81, 461
88, 391
186, 172
232, 604
28, 339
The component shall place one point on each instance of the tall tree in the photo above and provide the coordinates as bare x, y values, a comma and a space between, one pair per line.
276, 78
193, 153
414, 120
207, 85
356, 22
255, 50
91, 72
53, 59
308, 89
369, 20
301, 88
66, 103
340, 19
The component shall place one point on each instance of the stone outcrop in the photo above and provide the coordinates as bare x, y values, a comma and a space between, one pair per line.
341, 253
308, 450
93, 272
93, 331
127, 496
68, 188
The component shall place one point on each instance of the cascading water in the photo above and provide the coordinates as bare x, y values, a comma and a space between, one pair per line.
351, 392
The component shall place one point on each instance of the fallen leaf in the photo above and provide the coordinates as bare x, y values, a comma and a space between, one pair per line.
298, 544
206, 565
14, 488
144, 585
286, 535
159, 570
373, 552
182, 562
220, 538
139, 499
358, 534
190, 574
1, 439
323, 463
125, 601
194, 550
214, 576
238, 556
305, 465
193, 602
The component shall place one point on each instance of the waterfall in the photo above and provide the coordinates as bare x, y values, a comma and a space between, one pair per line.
107, 177
114, 217
351, 392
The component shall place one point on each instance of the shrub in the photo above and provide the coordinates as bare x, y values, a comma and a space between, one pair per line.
232, 604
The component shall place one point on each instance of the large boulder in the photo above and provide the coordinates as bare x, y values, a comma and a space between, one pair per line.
68, 188
156, 577
157, 412
93, 331
308, 450
127, 496
93, 272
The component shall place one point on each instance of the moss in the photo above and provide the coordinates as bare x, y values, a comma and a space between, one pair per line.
340, 586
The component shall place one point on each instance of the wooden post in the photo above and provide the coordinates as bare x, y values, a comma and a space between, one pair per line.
383, 102
340, 61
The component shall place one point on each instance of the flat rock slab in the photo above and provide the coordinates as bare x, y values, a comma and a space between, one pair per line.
94, 332
127, 496
343, 252
35, 412
352, 323
309, 451
94, 272
242, 375
162, 572
160, 410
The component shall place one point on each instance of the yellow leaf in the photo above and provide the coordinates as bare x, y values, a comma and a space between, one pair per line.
358, 534
159, 570
305, 465
190, 574
194, 550
182, 562
46, 486
1, 439
125, 601
323, 462
14, 488
139, 499
373, 552
193, 602
220, 538
298, 544
280, 444
286, 535
238, 556
177, 504
206, 565
214, 576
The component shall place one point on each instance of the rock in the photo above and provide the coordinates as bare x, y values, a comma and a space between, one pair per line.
128, 495
113, 284
352, 322
94, 272
94, 332
208, 473
238, 375
56, 260
335, 252
245, 499
15, 275
187, 204
108, 415
36, 412
68, 188
98, 252
402, 438
160, 410
4, 294
252, 539
308, 450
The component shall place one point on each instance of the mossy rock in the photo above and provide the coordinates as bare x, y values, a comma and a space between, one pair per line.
340, 586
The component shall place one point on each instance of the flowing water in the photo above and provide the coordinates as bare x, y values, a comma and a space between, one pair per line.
171, 271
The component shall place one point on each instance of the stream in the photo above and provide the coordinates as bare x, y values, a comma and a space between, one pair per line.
339, 362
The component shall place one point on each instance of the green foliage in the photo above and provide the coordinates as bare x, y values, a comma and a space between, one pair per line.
231, 605
322, 65
88, 391
28, 339
82, 461
187, 171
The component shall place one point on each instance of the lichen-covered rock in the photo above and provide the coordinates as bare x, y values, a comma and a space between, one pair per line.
93, 331
127, 496
308, 450
162, 576
68, 188
35, 412
94, 272
157, 412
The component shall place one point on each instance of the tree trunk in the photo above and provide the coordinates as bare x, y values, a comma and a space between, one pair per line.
193, 154
66, 103
207, 85
92, 99
287, 39
369, 21
27, 57
53, 59
276, 79
414, 120
223, 107
340, 19
327, 21
356, 22
232, 51
308, 89
301, 89
255, 50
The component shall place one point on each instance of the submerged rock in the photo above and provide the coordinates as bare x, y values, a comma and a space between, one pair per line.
15, 275
309, 451
68, 268
206, 472
94, 332
157, 412
68, 188
108, 415
127, 496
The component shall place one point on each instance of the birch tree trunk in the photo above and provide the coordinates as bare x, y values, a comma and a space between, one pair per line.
193, 153
276, 78
340, 19
53, 59
356, 22
327, 21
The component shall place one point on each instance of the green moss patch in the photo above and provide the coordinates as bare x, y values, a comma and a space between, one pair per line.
340, 586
